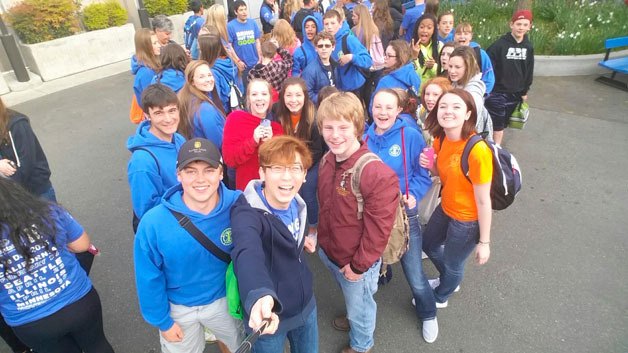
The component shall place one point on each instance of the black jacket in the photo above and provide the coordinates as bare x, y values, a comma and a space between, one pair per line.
23, 148
513, 64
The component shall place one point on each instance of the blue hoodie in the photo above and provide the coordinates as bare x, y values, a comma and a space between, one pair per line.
225, 72
172, 78
349, 76
173, 267
143, 77
404, 77
388, 147
306, 52
151, 175
209, 123
488, 75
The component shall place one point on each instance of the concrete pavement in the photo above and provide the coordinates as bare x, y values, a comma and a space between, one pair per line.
556, 278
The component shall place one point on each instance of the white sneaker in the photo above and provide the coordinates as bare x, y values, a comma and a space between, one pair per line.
209, 336
430, 330
442, 305
435, 282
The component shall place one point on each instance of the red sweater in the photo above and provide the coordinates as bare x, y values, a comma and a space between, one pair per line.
239, 149
344, 238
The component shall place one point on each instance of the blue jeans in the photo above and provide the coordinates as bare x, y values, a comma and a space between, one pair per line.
303, 339
308, 193
459, 239
49, 195
412, 266
361, 306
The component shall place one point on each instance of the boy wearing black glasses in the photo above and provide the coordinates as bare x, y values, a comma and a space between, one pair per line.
269, 236
322, 72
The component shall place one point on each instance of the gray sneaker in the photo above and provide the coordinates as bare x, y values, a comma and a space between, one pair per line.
430, 330
435, 282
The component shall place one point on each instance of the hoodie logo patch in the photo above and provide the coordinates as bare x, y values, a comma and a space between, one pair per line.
225, 237
394, 150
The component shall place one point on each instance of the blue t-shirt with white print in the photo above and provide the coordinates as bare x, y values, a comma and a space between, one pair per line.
289, 216
242, 37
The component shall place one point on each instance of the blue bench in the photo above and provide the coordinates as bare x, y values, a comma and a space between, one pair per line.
617, 65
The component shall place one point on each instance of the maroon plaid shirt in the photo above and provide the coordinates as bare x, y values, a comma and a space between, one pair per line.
275, 72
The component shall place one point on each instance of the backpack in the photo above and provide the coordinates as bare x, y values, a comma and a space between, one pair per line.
236, 100
189, 31
506, 181
399, 240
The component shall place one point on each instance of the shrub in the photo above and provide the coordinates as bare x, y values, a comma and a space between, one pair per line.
104, 15
37, 21
560, 27
165, 7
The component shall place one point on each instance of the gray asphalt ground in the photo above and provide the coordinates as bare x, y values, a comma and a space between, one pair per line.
557, 277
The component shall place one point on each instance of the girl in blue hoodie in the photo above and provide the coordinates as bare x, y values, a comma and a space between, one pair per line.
212, 50
399, 146
145, 62
200, 116
173, 63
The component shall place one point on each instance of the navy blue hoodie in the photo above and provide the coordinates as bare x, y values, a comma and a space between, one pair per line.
268, 261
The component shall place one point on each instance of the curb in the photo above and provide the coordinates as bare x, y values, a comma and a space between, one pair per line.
572, 65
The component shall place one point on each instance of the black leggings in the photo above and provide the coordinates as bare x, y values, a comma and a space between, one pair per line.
74, 329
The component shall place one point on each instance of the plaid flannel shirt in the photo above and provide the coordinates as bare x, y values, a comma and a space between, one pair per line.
275, 72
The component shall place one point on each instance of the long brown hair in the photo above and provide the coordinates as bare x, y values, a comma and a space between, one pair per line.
404, 54
4, 122
190, 98
284, 34
468, 128
365, 29
305, 125
471, 65
381, 16
210, 48
144, 49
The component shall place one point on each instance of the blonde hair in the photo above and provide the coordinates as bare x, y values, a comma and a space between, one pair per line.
342, 106
144, 49
217, 19
365, 29
290, 7
284, 34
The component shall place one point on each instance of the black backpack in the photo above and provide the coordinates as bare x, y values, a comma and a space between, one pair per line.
506, 181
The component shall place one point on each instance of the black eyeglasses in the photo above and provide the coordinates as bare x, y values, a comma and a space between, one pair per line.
321, 46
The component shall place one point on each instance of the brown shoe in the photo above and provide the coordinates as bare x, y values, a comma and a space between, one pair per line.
351, 350
341, 323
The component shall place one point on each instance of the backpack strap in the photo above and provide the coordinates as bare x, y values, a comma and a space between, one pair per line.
478, 57
197, 234
304, 54
405, 168
356, 174
152, 155
464, 159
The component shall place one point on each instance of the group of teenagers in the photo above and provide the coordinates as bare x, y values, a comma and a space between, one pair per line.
273, 181
268, 178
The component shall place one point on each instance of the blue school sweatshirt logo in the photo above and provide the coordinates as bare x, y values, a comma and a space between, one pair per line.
225, 237
394, 150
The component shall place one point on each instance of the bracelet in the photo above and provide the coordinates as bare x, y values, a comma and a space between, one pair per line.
484, 242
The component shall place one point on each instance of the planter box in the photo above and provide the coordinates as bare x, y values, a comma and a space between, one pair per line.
80, 52
571, 65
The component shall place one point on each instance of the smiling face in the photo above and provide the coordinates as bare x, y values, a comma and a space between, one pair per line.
385, 110
294, 98
463, 37
456, 68
445, 25
332, 25
203, 79
310, 29
282, 182
258, 98
432, 92
155, 43
200, 182
444, 56
164, 121
425, 31
519, 28
452, 112
341, 138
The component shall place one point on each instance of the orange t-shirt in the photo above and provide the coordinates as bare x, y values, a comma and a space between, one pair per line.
295, 120
457, 197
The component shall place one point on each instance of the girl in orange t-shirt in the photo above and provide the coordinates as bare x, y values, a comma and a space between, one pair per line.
462, 222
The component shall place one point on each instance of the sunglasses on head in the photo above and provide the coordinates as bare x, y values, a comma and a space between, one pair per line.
321, 46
